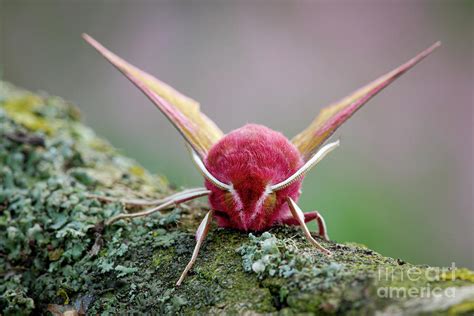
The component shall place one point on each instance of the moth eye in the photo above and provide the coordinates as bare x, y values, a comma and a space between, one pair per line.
228, 199
270, 202
221, 214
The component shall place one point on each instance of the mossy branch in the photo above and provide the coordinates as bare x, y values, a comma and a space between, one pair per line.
57, 257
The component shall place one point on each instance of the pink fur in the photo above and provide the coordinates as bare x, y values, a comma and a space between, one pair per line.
250, 159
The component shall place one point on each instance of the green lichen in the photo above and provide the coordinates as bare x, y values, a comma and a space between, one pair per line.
56, 255
463, 308
458, 274
353, 279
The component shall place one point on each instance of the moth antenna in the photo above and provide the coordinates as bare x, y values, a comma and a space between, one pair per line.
320, 154
206, 174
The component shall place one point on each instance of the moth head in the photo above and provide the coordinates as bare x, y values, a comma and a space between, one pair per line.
297, 175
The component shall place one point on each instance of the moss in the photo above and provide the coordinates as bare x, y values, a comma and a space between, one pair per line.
458, 274
463, 308
56, 255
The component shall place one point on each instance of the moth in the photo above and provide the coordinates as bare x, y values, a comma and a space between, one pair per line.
252, 175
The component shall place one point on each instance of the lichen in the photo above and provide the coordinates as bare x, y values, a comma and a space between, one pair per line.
458, 274
56, 255
353, 279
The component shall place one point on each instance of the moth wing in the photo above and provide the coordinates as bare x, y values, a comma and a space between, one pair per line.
334, 115
183, 112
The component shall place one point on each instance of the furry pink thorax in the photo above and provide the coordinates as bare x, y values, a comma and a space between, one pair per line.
251, 159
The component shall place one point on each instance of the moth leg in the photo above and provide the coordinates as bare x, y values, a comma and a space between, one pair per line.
141, 202
169, 202
299, 216
322, 230
308, 217
201, 234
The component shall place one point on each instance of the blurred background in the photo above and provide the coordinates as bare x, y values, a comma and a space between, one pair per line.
402, 181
